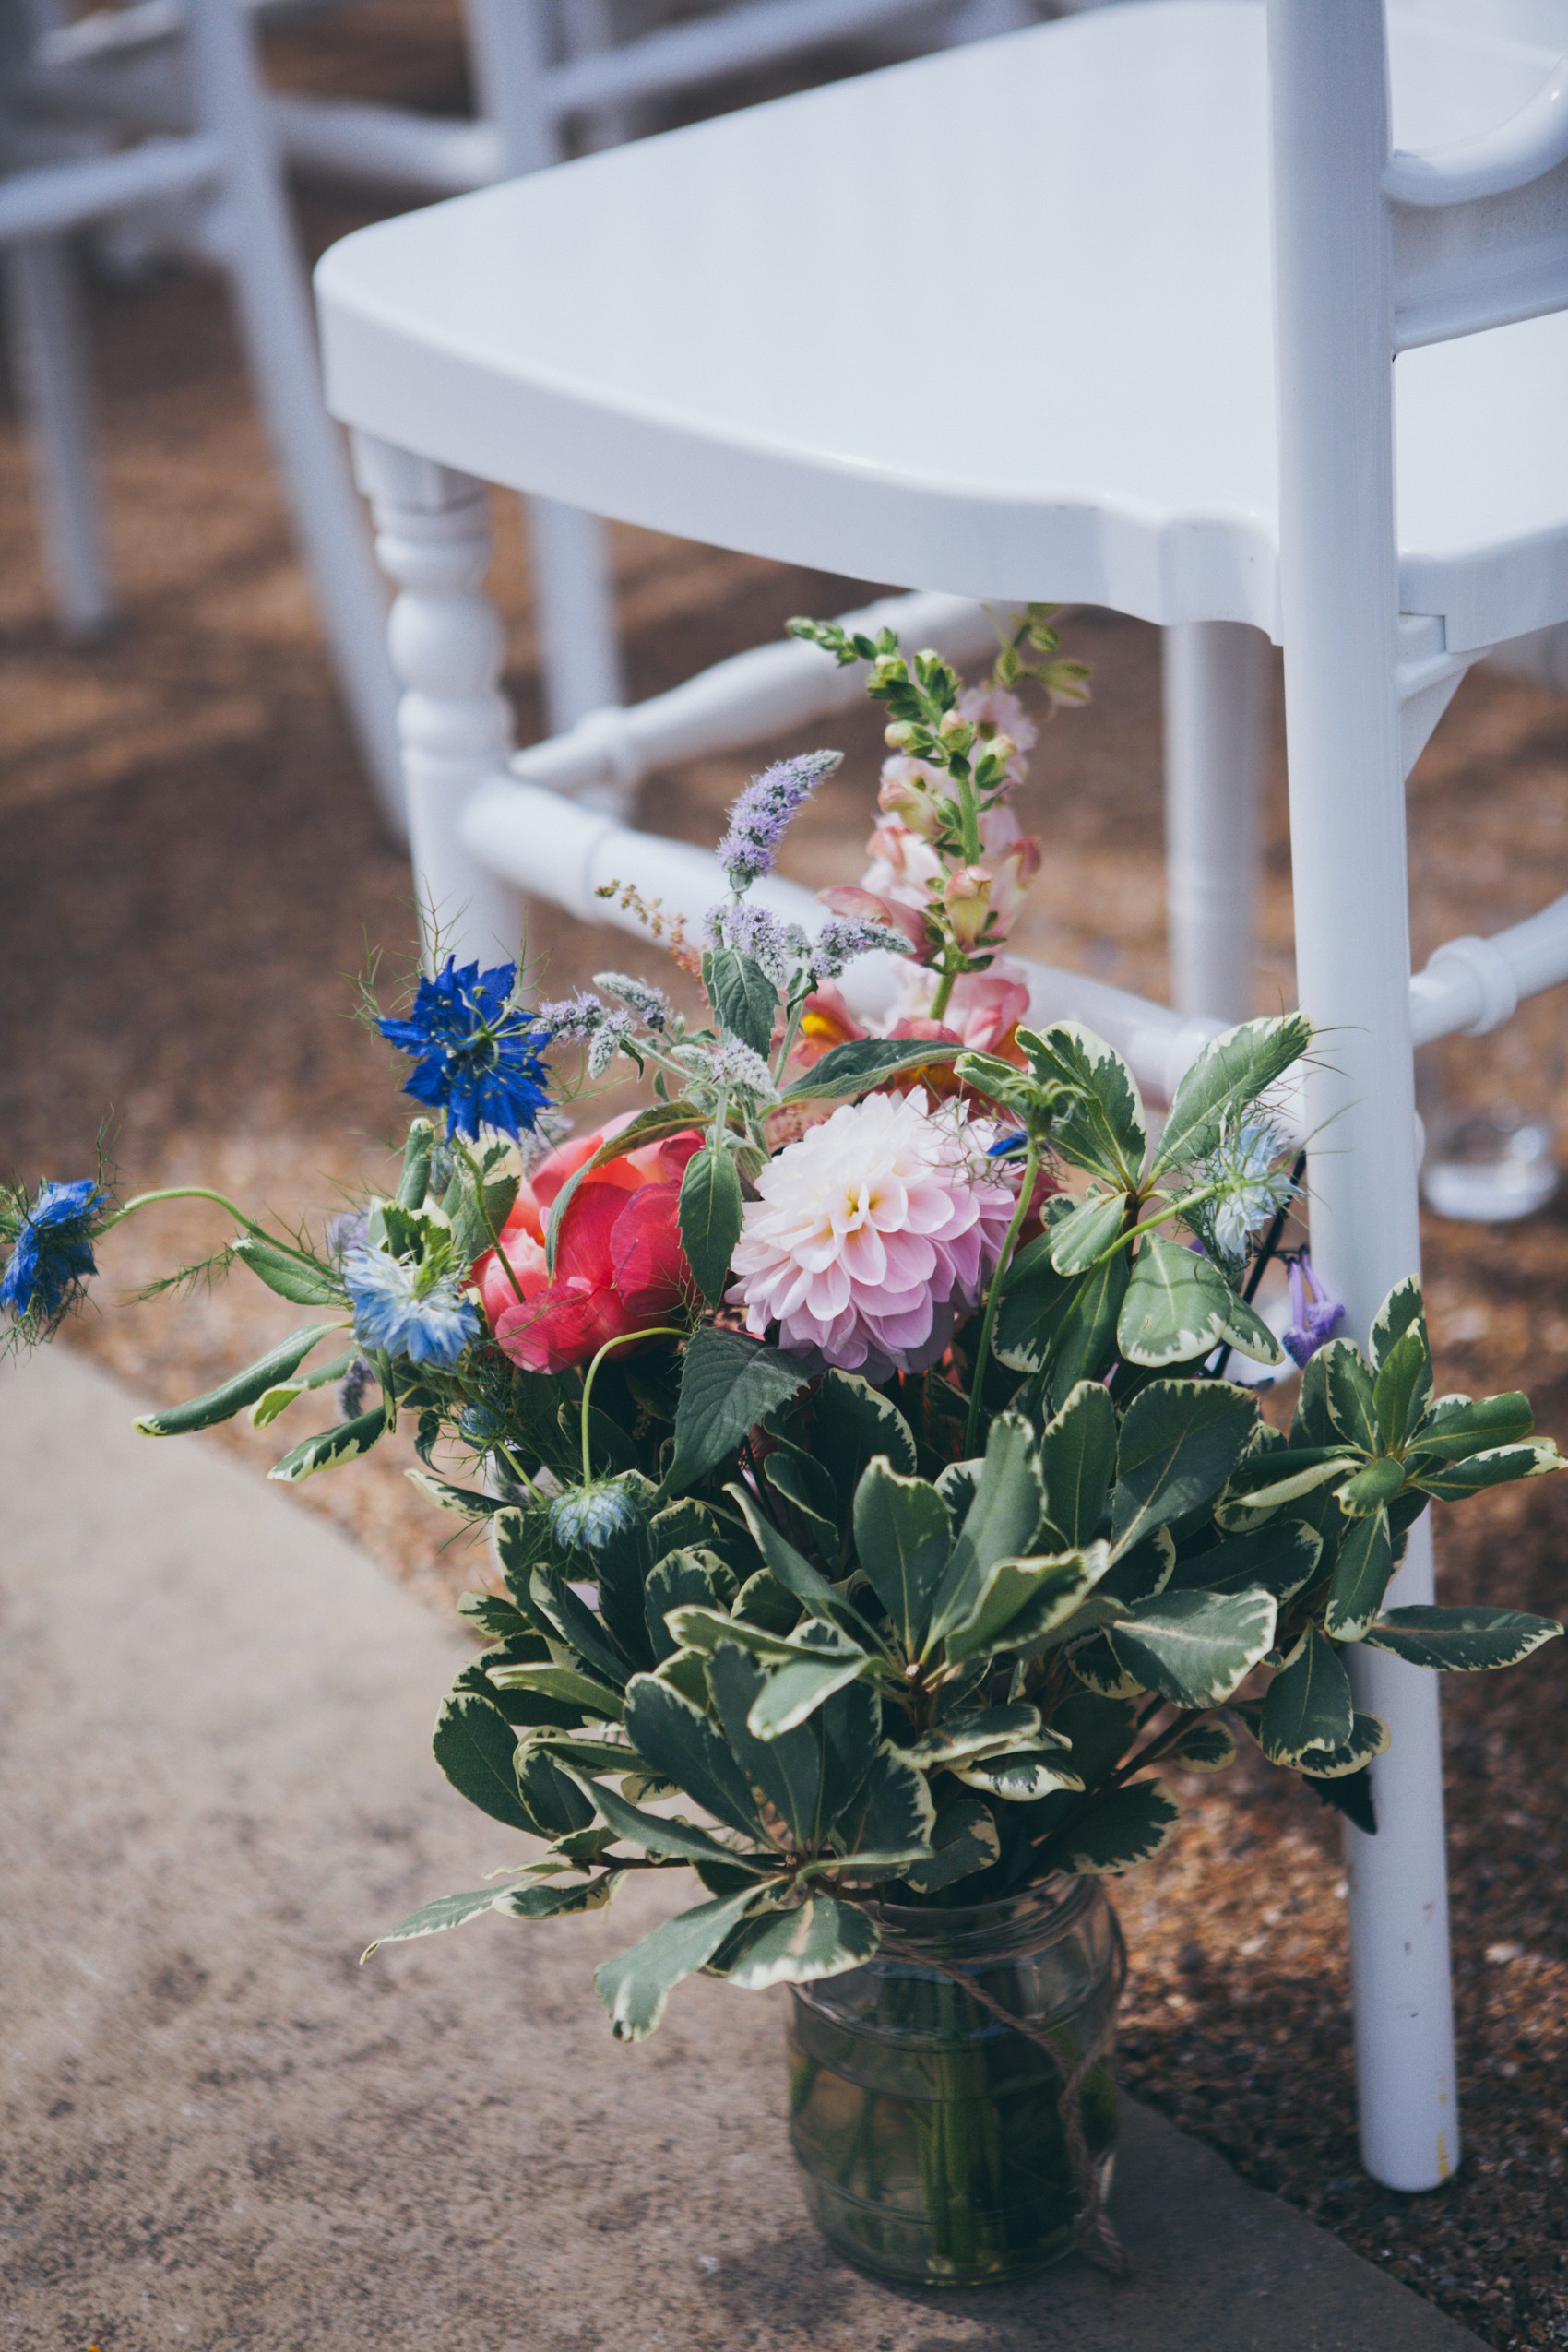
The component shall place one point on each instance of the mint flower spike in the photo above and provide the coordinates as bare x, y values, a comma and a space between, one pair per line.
787, 953
52, 1249
407, 1310
761, 815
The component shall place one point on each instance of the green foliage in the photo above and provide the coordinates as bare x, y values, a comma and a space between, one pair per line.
1106, 1130
862, 1064
822, 1639
344, 1444
1309, 1704
303, 1286
1229, 1076
1180, 1439
741, 996
1179, 1307
222, 1404
730, 1384
710, 1218
1461, 1641
1129, 1826
903, 1537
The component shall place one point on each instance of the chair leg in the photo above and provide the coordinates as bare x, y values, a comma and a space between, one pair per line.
433, 539
48, 363
256, 237
1352, 952
1216, 679
579, 652
1340, 606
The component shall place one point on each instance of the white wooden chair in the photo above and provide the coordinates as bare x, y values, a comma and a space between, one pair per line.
549, 73
61, 171
681, 333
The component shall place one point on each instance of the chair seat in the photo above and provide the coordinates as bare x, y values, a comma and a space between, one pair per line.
998, 322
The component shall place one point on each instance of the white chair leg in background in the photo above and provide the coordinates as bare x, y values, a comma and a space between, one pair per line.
1215, 688
47, 350
1339, 590
256, 240
579, 648
448, 646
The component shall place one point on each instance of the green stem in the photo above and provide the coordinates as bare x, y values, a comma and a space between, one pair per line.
201, 1192
983, 1354
1136, 1232
968, 812
478, 1175
791, 1031
622, 1339
519, 1473
939, 1002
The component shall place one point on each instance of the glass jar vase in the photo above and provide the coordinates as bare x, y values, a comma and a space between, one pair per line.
934, 2134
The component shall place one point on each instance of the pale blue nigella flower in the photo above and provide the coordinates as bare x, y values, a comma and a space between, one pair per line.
406, 1311
1250, 1189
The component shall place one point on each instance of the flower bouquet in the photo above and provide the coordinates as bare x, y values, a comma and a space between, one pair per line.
872, 1525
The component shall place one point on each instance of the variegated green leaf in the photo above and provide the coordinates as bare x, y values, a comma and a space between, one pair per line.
821, 1937
1309, 1705
1461, 1641
1129, 1826
635, 1985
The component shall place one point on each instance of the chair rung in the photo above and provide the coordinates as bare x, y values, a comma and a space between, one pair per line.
684, 56
55, 197
743, 700
561, 850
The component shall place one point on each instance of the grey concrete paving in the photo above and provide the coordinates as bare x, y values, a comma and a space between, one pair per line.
219, 2132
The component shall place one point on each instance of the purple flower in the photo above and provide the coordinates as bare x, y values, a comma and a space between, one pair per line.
1314, 1316
760, 816
570, 1020
843, 937
779, 947
788, 954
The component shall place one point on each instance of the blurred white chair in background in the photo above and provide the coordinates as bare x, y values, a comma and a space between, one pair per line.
552, 73
545, 71
683, 333
65, 167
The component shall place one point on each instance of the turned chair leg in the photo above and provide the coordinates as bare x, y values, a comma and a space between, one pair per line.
454, 724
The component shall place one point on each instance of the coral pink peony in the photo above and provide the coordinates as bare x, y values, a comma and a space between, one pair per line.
618, 1262
873, 1235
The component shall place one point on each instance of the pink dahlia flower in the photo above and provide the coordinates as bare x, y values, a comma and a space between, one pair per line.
873, 1235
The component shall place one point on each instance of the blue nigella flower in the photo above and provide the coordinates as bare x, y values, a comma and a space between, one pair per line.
1006, 1145
1314, 1316
590, 1518
759, 816
1251, 1189
52, 1251
476, 1053
407, 1310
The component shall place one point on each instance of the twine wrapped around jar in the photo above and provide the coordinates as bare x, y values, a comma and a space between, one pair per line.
934, 2148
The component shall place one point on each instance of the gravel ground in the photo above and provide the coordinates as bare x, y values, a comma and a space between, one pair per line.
190, 875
